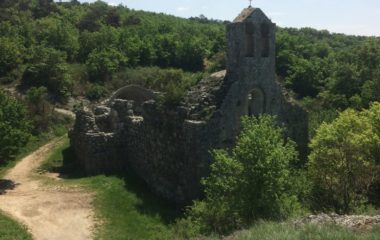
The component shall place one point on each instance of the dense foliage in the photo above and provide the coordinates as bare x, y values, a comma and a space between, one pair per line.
42, 39
56, 50
343, 160
336, 70
256, 181
14, 127
326, 70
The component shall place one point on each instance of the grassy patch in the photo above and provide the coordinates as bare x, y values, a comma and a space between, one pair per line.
129, 213
54, 161
11, 230
33, 145
124, 206
35, 142
127, 210
278, 231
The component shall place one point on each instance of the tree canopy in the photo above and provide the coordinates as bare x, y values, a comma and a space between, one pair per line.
334, 70
14, 127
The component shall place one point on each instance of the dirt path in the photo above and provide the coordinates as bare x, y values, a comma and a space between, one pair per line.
49, 212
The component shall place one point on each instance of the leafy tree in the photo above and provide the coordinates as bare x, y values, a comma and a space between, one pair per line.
59, 34
10, 58
106, 37
191, 54
254, 181
102, 63
131, 45
43, 8
345, 80
342, 163
113, 18
48, 68
92, 21
373, 114
335, 70
370, 91
166, 50
14, 127
40, 110
302, 78
96, 92
131, 20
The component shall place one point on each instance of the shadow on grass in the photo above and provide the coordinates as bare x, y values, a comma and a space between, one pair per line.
149, 204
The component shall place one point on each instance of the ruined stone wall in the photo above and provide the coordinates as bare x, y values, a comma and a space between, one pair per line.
97, 151
169, 148
164, 153
161, 146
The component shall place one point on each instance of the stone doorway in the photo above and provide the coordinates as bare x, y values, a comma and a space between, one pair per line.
256, 102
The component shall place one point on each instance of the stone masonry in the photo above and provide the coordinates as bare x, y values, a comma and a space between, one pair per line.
169, 148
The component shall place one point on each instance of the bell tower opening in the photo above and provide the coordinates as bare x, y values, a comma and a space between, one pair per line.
264, 40
256, 102
249, 39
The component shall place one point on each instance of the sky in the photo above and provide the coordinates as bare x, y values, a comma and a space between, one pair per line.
355, 17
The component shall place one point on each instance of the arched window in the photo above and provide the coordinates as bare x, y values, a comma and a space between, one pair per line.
256, 102
249, 39
264, 40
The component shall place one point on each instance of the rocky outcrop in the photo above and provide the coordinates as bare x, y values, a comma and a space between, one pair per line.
352, 222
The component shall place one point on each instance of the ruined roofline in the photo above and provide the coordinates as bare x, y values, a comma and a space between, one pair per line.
246, 13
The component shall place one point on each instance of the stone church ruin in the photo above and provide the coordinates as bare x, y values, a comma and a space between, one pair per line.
169, 148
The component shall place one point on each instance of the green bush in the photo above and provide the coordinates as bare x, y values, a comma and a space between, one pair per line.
39, 108
10, 55
11, 52
47, 67
254, 181
342, 161
96, 92
173, 95
319, 116
101, 64
14, 127
373, 114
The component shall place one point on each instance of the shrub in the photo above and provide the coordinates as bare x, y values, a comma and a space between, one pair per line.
373, 114
101, 64
254, 181
48, 68
342, 162
10, 59
14, 127
96, 92
40, 110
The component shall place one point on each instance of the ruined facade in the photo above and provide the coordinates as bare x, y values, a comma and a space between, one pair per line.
169, 148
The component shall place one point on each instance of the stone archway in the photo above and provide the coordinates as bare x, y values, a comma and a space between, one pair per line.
256, 102
133, 92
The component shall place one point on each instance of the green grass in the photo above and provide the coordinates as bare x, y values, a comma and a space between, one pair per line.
127, 210
11, 230
278, 231
33, 145
127, 213
124, 206
35, 142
